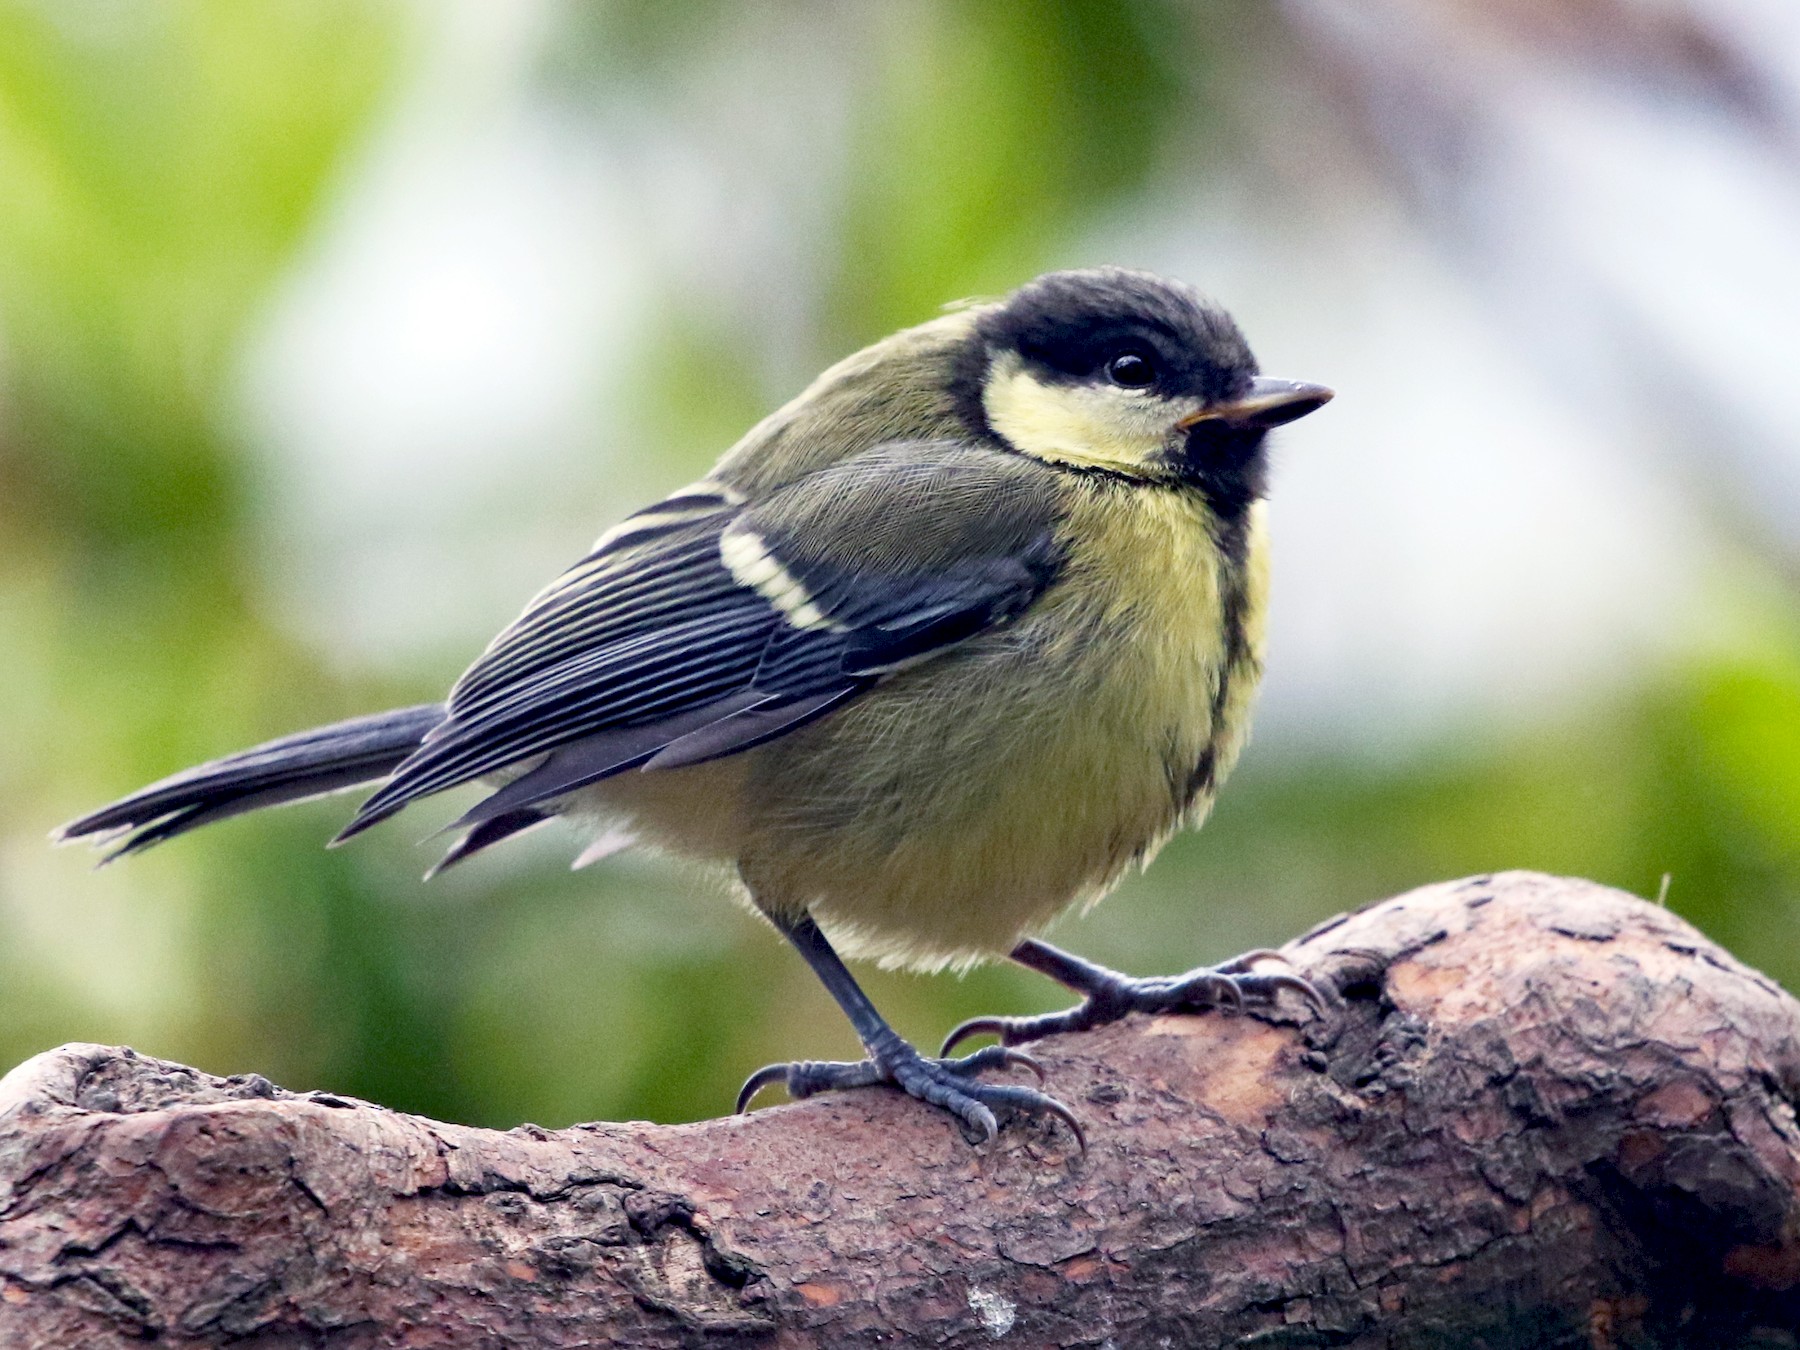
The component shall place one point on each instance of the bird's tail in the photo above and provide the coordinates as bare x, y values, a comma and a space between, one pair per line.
310, 764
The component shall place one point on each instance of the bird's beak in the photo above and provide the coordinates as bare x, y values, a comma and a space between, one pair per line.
1267, 403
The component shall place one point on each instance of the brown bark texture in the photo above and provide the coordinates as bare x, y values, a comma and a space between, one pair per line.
1546, 1114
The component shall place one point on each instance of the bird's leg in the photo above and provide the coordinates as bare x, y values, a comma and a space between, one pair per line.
947, 1083
1107, 995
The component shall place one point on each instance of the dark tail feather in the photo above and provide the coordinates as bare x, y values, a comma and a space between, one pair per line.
486, 835
310, 764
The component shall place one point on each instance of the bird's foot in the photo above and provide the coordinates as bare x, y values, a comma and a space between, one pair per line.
1231, 987
950, 1084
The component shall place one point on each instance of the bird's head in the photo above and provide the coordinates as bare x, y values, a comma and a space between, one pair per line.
1127, 372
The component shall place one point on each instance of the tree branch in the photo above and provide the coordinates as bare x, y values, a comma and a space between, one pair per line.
1549, 1114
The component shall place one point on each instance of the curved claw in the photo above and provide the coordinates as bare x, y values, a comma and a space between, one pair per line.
1273, 980
982, 1121
1226, 996
998, 1057
1067, 1117
1026, 1099
1246, 961
1302, 986
764, 1077
1019, 1057
947, 1083
975, 1026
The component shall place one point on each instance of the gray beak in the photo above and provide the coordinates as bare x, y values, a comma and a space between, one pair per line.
1267, 403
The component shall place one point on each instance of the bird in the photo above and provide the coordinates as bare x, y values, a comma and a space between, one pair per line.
936, 653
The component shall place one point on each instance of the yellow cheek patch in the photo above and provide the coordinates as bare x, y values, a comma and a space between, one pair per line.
1083, 424
751, 565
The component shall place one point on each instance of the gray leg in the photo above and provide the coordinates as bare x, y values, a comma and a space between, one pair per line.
1108, 995
947, 1083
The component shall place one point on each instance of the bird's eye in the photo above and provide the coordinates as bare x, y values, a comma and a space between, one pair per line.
1132, 370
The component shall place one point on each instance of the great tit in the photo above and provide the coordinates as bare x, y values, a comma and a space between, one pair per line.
935, 653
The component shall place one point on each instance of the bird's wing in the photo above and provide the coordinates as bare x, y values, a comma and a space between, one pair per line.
703, 626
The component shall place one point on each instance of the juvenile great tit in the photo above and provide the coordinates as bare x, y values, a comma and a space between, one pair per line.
935, 653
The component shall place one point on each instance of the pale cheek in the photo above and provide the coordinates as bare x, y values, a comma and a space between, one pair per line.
1152, 423
1081, 424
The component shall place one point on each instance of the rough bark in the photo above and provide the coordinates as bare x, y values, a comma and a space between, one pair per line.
1547, 1114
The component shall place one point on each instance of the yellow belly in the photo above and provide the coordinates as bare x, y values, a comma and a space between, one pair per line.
968, 801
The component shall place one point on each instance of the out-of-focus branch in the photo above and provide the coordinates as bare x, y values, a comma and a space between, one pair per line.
1548, 1114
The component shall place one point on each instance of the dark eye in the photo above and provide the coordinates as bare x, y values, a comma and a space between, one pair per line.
1132, 370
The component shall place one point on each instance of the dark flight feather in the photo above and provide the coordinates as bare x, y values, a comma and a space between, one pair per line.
651, 653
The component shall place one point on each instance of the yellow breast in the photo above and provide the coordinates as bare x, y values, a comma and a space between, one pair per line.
1179, 617
944, 815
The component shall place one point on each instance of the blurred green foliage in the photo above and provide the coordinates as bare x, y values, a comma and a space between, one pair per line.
161, 166
991, 130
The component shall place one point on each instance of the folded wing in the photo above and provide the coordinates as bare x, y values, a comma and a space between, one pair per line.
702, 627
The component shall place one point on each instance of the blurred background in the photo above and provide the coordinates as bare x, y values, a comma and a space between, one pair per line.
330, 330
